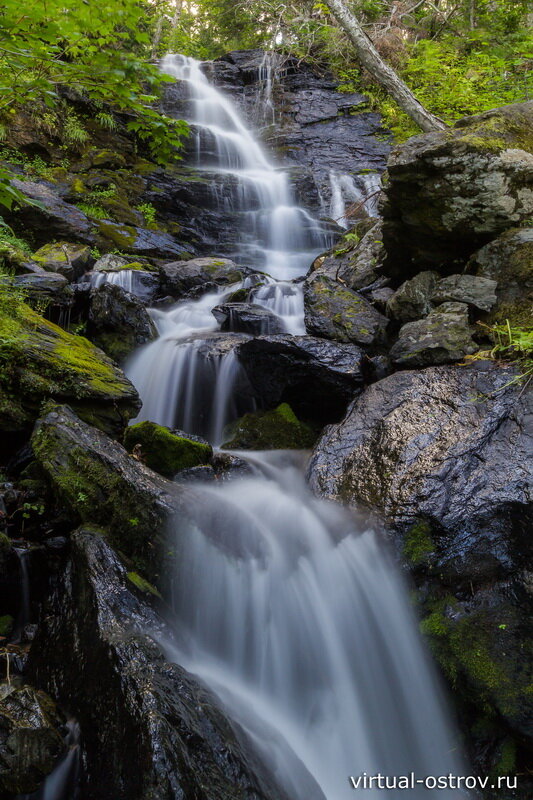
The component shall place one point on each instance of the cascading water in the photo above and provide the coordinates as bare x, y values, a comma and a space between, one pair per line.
63, 782
177, 379
295, 616
127, 279
349, 190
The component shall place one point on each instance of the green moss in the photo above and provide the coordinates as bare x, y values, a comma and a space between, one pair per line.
279, 429
418, 544
142, 584
122, 236
506, 763
164, 451
6, 625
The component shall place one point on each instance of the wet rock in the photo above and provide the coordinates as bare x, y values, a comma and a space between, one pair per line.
471, 289
279, 429
70, 260
229, 467
335, 312
30, 738
118, 322
451, 192
164, 450
247, 318
46, 361
412, 300
179, 277
202, 474
96, 480
443, 337
448, 444
138, 241
357, 258
509, 261
47, 290
134, 707
316, 377
52, 218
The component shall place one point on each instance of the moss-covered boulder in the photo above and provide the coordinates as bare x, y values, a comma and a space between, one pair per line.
42, 361
334, 311
444, 336
509, 261
279, 429
453, 191
137, 240
357, 258
65, 258
95, 480
180, 277
166, 451
30, 738
118, 322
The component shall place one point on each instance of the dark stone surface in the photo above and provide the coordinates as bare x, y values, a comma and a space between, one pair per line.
444, 336
316, 377
150, 731
52, 218
247, 318
180, 277
117, 321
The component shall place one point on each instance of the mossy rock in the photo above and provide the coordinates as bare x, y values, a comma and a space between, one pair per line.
43, 361
142, 584
6, 625
418, 546
279, 429
164, 451
66, 258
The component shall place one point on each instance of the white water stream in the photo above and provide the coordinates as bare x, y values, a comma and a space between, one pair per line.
288, 608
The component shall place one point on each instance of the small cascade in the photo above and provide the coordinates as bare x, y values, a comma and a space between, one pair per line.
265, 109
293, 613
63, 782
130, 280
284, 299
276, 235
24, 614
349, 190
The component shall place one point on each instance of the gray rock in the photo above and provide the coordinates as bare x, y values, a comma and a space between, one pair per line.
52, 218
118, 322
152, 731
443, 337
180, 277
137, 241
471, 289
247, 318
316, 377
357, 259
43, 285
335, 312
30, 738
110, 262
412, 300
452, 191
65, 258
509, 261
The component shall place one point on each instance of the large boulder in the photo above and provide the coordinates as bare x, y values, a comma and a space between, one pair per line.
247, 318
334, 311
96, 480
444, 457
65, 258
118, 322
316, 377
30, 738
474, 290
452, 191
180, 277
149, 729
412, 300
357, 258
49, 217
278, 429
44, 361
444, 336
509, 261
138, 241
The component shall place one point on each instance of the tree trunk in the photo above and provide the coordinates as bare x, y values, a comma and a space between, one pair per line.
371, 60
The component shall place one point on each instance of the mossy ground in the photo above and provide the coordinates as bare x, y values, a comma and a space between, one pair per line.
279, 429
164, 451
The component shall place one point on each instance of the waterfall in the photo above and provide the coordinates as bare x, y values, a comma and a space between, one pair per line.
293, 613
24, 614
348, 190
63, 781
128, 279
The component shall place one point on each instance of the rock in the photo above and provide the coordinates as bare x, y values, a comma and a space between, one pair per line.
165, 451
471, 289
509, 261
444, 457
51, 218
45, 361
357, 258
139, 241
247, 318
118, 322
47, 290
412, 300
452, 191
315, 377
96, 650
96, 480
144, 285
179, 277
30, 738
442, 337
279, 429
336, 312
70, 260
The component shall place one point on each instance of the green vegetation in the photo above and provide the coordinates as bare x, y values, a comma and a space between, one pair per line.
270, 430
142, 584
418, 544
164, 451
515, 345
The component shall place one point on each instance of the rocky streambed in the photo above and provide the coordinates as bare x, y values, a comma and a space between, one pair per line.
392, 384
